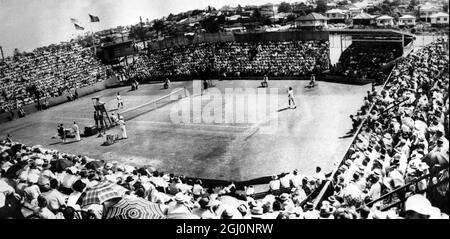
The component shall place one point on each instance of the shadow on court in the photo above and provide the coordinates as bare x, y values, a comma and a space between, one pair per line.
283, 109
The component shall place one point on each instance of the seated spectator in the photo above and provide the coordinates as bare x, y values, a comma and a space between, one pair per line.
55, 199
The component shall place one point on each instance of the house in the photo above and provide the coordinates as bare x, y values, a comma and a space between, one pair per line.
426, 10
354, 11
385, 21
279, 16
277, 28
363, 19
439, 19
337, 15
234, 29
234, 18
311, 21
406, 21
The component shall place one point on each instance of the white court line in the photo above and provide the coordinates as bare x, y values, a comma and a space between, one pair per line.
155, 123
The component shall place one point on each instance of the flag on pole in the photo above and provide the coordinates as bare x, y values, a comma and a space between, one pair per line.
94, 18
78, 27
74, 20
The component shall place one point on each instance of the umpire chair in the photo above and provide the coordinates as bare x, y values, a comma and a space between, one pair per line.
100, 108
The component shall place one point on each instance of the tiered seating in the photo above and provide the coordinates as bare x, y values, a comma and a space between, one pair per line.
362, 59
52, 70
293, 58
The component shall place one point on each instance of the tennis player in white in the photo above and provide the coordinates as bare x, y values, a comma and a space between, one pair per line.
291, 98
119, 101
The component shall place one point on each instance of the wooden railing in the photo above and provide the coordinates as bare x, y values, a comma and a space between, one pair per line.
328, 183
401, 191
325, 189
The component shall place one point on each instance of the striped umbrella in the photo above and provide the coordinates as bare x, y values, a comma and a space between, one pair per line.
101, 193
135, 208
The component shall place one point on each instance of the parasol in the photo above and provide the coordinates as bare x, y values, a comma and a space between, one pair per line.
101, 193
135, 208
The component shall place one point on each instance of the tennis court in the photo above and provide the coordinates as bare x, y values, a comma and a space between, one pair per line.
235, 146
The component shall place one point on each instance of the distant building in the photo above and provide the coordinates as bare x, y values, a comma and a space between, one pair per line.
426, 10
236, 18
337, 15
385, 21
364, 19
406, 21
312, 21
234, 29
439, 19
279, 16
354, 11
278, 28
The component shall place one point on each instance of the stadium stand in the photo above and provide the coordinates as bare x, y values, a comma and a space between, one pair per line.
402, 138
365, 59
293, 58
50, 71
402, 148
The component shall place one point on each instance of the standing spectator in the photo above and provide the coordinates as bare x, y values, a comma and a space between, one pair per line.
62, 132
76, 131
123, 129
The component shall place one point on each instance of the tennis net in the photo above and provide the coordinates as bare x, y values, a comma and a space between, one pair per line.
144, 108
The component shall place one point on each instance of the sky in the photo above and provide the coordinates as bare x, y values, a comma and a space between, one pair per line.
28, 24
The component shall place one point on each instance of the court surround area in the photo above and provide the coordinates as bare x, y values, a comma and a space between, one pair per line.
310, 135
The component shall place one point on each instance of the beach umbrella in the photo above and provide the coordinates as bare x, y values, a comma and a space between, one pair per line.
101, 193
94, 165
60, 165
135, 208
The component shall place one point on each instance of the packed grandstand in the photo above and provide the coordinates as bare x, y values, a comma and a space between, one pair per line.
397, 166
50, 70
65, 68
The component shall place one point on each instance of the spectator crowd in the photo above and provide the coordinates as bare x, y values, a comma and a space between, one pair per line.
41, 183
404, 136
365, 59
288, 58
47, 72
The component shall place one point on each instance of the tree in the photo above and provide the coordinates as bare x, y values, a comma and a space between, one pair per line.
321, 6
374, 10
138, 32
445, 6
196, 12
171, 17
239, 9
158, 26
212, 24
257, 15
412, 4
284, 7
290, 18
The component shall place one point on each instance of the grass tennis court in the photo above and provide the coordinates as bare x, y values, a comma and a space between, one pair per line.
304, 138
